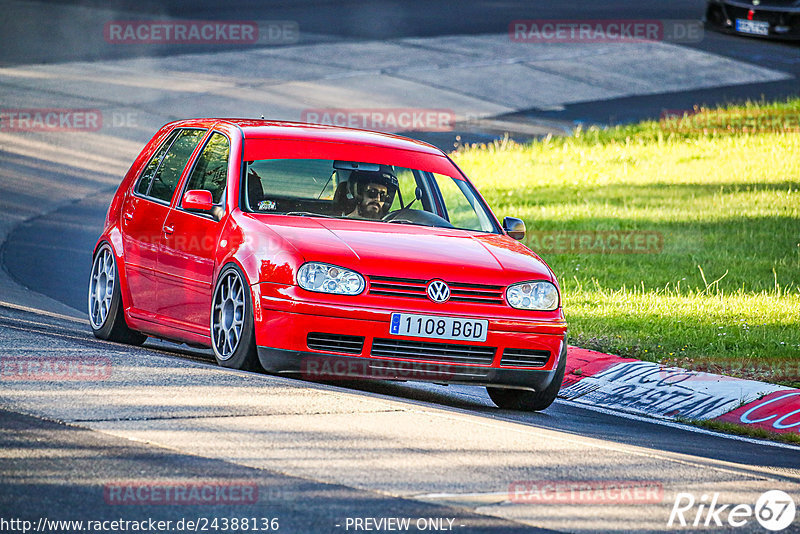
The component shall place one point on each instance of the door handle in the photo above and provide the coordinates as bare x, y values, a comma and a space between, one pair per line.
168, 229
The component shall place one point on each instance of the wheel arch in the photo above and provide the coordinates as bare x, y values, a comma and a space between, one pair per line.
113, 238
247, 360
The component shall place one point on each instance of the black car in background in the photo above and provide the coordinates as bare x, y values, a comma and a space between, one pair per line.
775, 19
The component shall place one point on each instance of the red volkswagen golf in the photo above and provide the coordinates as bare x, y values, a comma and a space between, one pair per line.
329, 253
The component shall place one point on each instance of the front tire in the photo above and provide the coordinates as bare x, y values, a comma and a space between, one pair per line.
531, 401
106, 315
232, 333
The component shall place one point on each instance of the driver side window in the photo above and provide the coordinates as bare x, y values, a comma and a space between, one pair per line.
463, 209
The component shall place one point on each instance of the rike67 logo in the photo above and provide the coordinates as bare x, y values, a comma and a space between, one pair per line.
774, 510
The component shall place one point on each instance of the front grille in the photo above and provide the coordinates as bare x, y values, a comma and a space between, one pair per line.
432, 352
335, 343
525, 357
413, 288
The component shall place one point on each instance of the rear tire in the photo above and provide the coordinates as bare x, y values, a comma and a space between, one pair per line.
531, 401
233, 337
106, 315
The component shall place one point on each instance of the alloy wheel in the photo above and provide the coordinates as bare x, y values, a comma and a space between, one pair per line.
101, 287
228, 315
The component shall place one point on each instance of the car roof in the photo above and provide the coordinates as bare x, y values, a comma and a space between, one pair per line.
301, 131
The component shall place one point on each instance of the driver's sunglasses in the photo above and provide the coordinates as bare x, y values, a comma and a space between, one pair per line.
374, 193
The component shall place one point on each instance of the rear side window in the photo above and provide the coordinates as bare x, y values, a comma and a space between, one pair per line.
164, 170
211, 171
143, 185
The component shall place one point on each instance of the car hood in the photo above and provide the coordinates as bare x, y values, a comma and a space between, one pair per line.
407, 251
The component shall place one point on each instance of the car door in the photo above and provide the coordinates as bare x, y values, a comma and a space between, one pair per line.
186, 258
142, 219
143, 214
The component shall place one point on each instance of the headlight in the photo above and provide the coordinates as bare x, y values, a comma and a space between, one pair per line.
324, 278
539, 295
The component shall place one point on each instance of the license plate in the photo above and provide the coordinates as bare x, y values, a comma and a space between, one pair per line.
433, 326
754, 27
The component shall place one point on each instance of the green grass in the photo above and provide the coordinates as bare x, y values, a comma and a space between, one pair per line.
722, 291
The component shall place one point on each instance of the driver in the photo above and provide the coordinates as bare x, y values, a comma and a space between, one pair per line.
374, 193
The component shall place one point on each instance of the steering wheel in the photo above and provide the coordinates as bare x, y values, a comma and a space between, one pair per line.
409, 216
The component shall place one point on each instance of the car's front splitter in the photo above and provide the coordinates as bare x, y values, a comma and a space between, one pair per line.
334, 367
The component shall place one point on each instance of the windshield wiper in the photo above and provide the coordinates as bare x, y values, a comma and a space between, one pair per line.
406, 221
309, 214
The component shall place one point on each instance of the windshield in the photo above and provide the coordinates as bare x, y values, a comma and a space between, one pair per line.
357, 190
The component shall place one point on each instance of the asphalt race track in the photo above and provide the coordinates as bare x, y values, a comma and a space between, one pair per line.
315, 456
29, 42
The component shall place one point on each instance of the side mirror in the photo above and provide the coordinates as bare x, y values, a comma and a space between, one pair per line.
514, 227
198, 199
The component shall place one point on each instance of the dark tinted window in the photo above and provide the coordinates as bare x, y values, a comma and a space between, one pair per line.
143, 185
211, 171
169, 172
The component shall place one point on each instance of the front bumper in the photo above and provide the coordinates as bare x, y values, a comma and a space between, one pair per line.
332, 340
784, 22
332, 367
